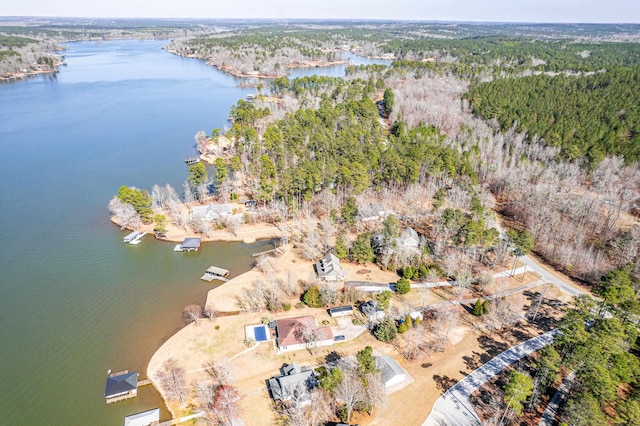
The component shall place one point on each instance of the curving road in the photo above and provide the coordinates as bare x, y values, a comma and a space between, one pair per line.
453, 408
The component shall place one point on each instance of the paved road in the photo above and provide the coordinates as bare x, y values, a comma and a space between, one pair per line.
545, 274
454, 407
552, 409
505, 274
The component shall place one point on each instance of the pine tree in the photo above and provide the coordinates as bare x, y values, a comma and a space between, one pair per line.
478, 309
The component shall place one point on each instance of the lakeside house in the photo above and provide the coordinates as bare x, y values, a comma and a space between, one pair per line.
297, 333
121, 386
295, 383
212, 211
328, 269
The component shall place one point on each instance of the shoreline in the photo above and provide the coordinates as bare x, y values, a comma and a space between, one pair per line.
17, 76
229, 70
246, 233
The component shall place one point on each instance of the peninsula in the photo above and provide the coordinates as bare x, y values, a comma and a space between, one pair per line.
410, 196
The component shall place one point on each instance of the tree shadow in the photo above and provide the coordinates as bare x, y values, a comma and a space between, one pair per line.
332, 358
468, 308
444, 382
475, 360
426, 365
491, 346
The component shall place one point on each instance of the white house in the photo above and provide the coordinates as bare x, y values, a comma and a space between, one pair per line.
328, 269
213, 211
409, 239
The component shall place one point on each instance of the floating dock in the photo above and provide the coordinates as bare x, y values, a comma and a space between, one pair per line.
215, 273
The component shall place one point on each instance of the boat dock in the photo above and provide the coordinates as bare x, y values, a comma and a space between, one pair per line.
131, 237
215, 273
275, 250
136, 239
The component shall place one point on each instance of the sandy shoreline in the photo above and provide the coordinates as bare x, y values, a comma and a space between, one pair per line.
246, 233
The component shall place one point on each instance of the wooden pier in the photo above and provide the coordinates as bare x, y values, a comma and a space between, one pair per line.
275, 250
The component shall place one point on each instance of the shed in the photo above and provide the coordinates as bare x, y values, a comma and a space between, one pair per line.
144, 418
121, 384
341, 311
392, 373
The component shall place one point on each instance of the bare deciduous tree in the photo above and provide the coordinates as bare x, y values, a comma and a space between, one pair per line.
171, 379
192, 313
350, 392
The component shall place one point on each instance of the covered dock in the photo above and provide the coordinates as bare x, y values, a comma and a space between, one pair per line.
189, 244
131, 237
215, 273
145, 418
120, 386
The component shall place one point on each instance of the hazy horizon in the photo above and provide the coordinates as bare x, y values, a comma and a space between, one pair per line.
496, 11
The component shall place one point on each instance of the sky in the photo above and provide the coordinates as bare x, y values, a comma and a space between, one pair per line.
597, 11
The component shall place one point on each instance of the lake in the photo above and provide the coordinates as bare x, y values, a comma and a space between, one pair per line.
76, 301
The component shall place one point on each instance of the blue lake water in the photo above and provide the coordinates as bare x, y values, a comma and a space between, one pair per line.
76, 301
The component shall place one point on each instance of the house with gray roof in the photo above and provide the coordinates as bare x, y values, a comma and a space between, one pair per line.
328, 269
393, 375
371, 311
371, 212
295, 383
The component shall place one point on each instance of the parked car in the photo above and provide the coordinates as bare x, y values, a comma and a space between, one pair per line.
338, 338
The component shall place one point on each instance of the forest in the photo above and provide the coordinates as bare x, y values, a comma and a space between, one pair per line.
592, 115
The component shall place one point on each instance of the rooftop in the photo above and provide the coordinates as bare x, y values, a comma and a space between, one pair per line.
120, 384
